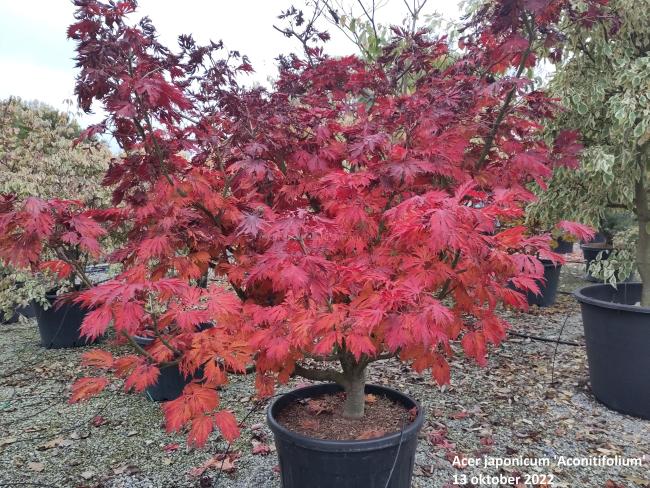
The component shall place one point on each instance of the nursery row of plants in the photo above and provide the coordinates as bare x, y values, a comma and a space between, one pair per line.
383, 206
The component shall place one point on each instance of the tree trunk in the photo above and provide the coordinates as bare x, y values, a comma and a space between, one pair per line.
355, 395
643, 245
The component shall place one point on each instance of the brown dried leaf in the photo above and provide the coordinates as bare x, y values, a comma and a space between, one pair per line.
38, 467
317, 407
370, 398
371, 434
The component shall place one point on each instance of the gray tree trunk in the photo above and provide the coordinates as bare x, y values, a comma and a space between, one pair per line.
355, 395
643, 245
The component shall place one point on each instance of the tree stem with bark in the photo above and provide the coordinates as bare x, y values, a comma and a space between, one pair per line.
352, 378
643, 245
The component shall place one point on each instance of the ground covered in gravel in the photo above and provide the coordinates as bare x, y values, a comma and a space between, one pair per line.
532, 401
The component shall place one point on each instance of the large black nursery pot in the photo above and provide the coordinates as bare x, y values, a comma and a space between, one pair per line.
60, 324
617, 335
384, 462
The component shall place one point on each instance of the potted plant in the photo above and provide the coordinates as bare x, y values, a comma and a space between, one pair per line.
39, 159
615, 223
599, 83
53, 239
351, 217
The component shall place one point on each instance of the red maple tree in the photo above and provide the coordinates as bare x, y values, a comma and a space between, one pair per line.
355, 217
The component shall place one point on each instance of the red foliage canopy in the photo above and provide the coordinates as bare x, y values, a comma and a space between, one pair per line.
355, 217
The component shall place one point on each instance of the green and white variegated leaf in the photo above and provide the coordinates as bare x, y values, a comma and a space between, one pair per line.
604, 84
38, 158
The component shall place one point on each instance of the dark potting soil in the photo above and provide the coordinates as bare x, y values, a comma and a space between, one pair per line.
322, 417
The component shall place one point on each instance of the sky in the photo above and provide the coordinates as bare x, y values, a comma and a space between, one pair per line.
37, 63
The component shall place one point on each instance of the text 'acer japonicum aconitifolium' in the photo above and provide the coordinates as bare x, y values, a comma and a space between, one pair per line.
354, 216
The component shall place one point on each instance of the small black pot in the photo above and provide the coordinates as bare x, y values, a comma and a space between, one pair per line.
547, 287
590, 253
617, 335
563, 247
27, 311
170, 382
320, 463
60, 324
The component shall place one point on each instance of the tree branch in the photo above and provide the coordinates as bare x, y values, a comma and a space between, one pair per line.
320, 374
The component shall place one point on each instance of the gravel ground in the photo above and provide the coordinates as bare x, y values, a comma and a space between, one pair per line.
529, 402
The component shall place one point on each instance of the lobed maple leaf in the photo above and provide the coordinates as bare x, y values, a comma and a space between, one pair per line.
227, 425
84, 388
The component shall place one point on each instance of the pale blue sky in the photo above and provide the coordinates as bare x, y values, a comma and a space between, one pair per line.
36, 58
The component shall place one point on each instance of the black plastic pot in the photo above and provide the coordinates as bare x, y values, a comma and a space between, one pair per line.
590, 253
320, 463
617, 335
547, 286
170, 381
563, 247
59, 325
26, 311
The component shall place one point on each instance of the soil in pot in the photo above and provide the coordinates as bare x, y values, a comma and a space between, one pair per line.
378, 452
59, 325
617, 336
322, 417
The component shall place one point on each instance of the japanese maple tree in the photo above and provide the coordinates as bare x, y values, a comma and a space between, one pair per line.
355, 217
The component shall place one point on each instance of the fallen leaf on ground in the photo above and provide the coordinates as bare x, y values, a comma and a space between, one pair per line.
638, 481
5, 441
171, 447
57, 442
126, 469
87, 475
38, 467
225, 463
612, 484
98, 421
260, 448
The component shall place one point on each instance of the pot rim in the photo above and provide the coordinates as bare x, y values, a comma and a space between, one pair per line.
409, 431
595, 247
582, 298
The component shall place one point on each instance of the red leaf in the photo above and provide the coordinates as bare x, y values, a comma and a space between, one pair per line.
96, 322
57, 267
474, 346
97, 359
144, 376
582, 232
440, 370
84, 388
227, 424
202, 427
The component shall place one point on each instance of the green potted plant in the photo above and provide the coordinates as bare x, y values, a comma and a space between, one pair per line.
39, 159
603, 83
